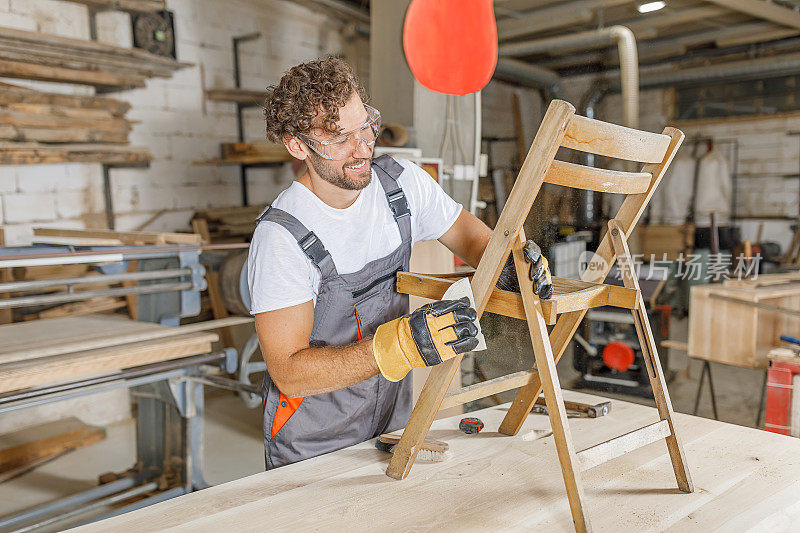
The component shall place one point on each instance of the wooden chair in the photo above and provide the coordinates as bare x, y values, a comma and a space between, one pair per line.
571, 299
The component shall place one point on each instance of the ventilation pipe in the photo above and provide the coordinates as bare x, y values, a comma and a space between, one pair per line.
769, 67
628, 59
516, 71
751, 69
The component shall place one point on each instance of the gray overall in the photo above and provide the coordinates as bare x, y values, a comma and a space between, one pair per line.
348, 307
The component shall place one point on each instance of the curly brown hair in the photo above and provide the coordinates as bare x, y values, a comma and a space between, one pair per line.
310, 95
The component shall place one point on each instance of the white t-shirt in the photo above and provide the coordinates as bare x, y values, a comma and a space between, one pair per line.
281, 275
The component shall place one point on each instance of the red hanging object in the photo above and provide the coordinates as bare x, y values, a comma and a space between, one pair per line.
618, 355
451, 45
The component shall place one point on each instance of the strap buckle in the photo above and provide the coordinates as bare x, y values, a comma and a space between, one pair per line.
398, 203
264, 213
313, 247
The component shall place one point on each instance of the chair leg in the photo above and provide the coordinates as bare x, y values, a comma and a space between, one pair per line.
436, 386
650, 356
545, 363
661, 395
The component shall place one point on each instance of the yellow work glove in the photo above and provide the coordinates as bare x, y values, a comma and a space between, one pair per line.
539, 272
431, 334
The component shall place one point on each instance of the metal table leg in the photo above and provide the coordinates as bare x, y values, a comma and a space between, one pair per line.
706, 369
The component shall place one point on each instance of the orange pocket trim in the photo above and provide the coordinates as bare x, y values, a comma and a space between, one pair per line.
286, 408
358, 323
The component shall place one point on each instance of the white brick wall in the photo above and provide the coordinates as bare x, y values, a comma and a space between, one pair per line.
173, 119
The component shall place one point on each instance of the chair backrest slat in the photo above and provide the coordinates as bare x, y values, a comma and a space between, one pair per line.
597, 179
611, 140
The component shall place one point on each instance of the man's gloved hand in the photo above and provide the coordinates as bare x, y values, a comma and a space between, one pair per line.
539, 272
431, 334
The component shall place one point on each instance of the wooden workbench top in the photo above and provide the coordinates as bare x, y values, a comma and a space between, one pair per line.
45, 352
744, 478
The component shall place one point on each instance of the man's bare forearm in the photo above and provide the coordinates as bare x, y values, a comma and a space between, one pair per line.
324, 369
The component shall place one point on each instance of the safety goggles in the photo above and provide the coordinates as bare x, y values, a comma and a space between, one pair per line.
343, 145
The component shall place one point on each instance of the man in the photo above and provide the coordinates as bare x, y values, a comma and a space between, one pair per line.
333, 331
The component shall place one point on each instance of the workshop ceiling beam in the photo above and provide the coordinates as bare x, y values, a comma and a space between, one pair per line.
763, 10
660, 49
538, 20
675, 18
546, 19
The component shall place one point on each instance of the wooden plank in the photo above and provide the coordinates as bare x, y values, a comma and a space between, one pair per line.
126, 237
240, 96
248, 160
102, 338
59, 331
14, 94
662, 241
57, 117
739, 492
569, 295
631, 210
253, 149
619, 446
531, 177
72, 366
85, 61
546, 367
49, 41
35, 153
490, 387
125, 5
86, 307
107, 80
500, 302
597, 179
45, 441
764, 280
611, 140
67, 135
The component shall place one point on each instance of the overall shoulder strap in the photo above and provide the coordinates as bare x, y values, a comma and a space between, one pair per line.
306, 239
388, 171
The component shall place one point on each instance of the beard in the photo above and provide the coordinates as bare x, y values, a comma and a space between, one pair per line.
335, 173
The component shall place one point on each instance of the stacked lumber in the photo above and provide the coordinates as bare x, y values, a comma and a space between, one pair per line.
124, 5
28, 448
36, 153
106, 237
38, 127
253, 153
226, 224
39, 56
237, 96
48, 272
28, 115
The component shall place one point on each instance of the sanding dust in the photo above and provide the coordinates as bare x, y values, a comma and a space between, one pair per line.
536, 434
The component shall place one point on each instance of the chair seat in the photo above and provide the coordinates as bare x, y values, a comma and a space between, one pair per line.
568, 294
